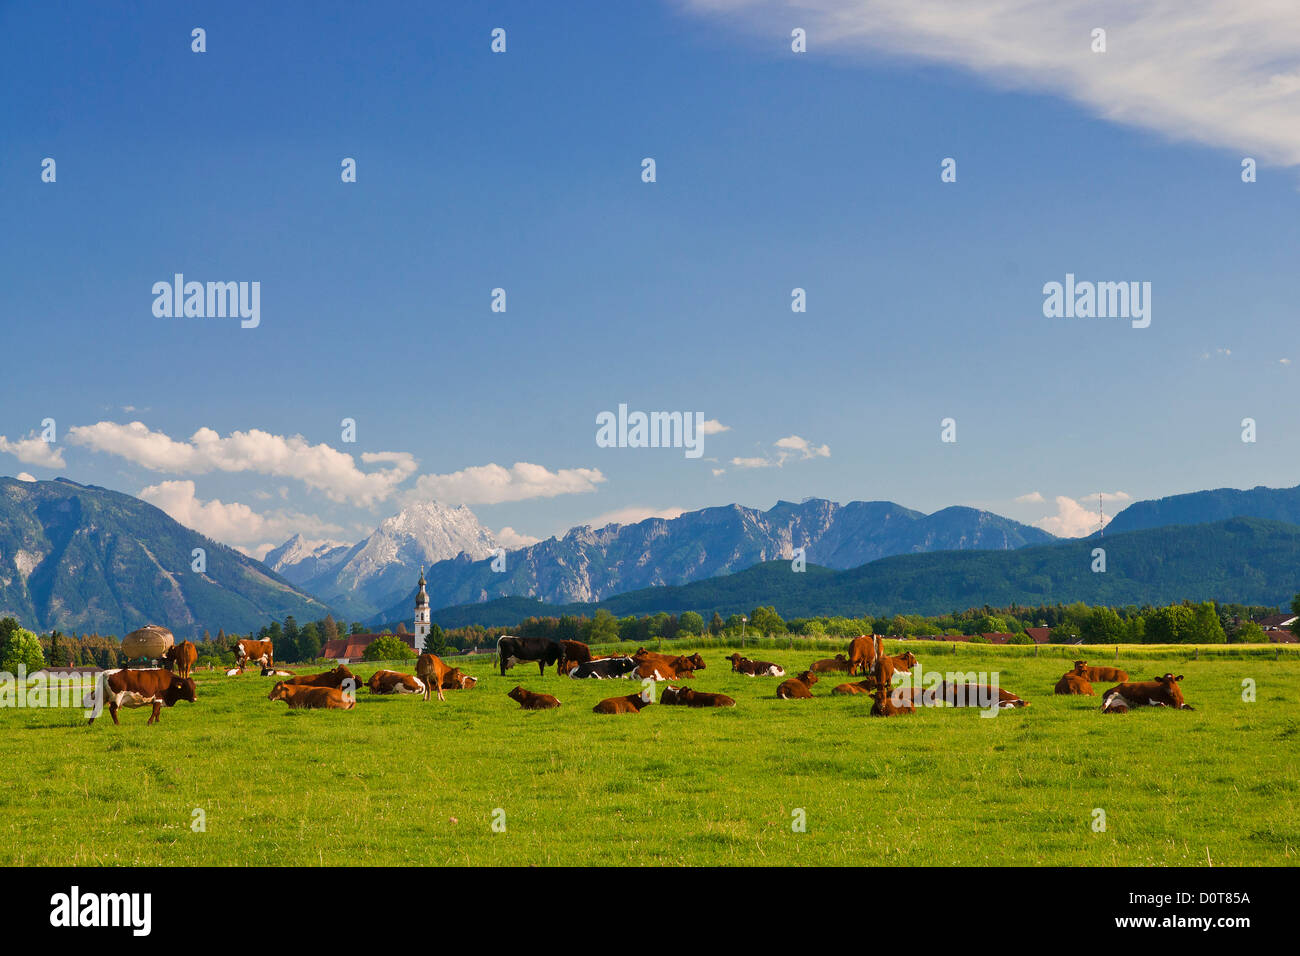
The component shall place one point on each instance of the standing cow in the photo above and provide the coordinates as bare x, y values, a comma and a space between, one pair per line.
182, 656
259, 652
518, 650
138, 688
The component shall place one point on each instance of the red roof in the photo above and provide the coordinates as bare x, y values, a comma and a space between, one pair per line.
998, 637
1039, 635
353, 647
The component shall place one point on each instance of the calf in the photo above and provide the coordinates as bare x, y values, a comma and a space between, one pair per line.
530, 701
275, 672
692, 698
1161, 692
394, 682
430, 669
631, 704
1091, 674
1072, 683
308, 697
797, 688
605, 668
136, 688
830, 665
743, 665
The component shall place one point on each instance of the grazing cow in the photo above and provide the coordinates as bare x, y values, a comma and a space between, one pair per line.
337, 678
693, 698
136, 688
605, 668
631, 704
432, 671
572, 653
830, 665
1161, 692
862, 652
519, 650
530, 701
259, 652
308, 697
1094, 674
867, 686
457, 679
183, 655
1072, 683
277, 672
797, 688
394, 682
743, 665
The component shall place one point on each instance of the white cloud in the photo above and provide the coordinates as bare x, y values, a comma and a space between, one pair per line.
510, 539
494, 484
230, 523
24, 476
319, 467
1284, 361
719, 471
792, 446
1194, 70
34, 451
633, 514
712, 426
1032, 498
753, 462
1074, 517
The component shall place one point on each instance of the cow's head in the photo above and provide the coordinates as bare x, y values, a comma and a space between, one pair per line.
669, 695
279, 692
182, 688
517, 693
696, 661
735, 661
807, 677
908, 661
1172, 693
1080, 667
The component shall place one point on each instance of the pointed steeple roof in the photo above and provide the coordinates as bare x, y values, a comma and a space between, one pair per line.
421, 597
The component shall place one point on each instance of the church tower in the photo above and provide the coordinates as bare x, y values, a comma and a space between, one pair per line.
421, 615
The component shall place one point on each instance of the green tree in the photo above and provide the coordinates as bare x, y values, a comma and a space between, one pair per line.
388, 648
690, 623
765, 620
309, 642
603, 628
1102, 626
19, 646
716, 624
435, 642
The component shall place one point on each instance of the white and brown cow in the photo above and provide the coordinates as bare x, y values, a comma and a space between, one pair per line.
394, 682
257, 652
1161, 692
138, 688
743, 665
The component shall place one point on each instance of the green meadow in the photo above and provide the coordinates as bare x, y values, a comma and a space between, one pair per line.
476, 781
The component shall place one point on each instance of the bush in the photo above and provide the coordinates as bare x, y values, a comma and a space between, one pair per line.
19, 646
388, 648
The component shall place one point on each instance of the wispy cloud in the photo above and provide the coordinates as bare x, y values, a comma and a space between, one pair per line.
790, 447
632, 515
494, 484
230, 523
1193, 70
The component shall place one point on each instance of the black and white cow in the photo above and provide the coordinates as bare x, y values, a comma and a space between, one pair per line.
605, 668
518, 650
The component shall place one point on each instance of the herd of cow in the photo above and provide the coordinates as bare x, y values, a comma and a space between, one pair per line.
171, 680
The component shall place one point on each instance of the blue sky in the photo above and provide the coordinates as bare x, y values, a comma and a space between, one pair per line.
521, 170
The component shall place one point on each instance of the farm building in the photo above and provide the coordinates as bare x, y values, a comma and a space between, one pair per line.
347, 650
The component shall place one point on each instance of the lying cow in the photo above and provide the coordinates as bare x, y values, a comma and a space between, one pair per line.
1093, 674
1072, 683
338, 678
394, 682
1161, 692
831, 665
530, 701
743, 665
797, 688
136, 688
890, 704
867, 686
605, 668
433, 672
457, 679
309, 697
669, 665
961, 695
275, 672
693, 698
631, 704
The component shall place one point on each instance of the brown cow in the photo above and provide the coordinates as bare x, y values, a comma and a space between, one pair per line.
572, 653
394, 682
830, 665
887, 701
1093, 674
679, 665
743, 665
972, 695
530, 701
867, 686
308, 697
337, 678
862, 652
457, 679
136, 688
1161, 692
430, 669
259, 652
631, 704
1072, 683
692, 698
183, 655
797, 688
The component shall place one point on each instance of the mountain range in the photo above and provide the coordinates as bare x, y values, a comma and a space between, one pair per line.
86, 559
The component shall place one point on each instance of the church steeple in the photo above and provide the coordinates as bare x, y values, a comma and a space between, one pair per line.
421, 614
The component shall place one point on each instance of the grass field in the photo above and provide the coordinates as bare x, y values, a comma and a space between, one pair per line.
400, 781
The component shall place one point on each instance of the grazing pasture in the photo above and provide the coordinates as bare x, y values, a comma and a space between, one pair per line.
401, 780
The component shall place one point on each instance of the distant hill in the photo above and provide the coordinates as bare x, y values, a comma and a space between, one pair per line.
1246, 560
81, 558
589, 564
1202, 507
